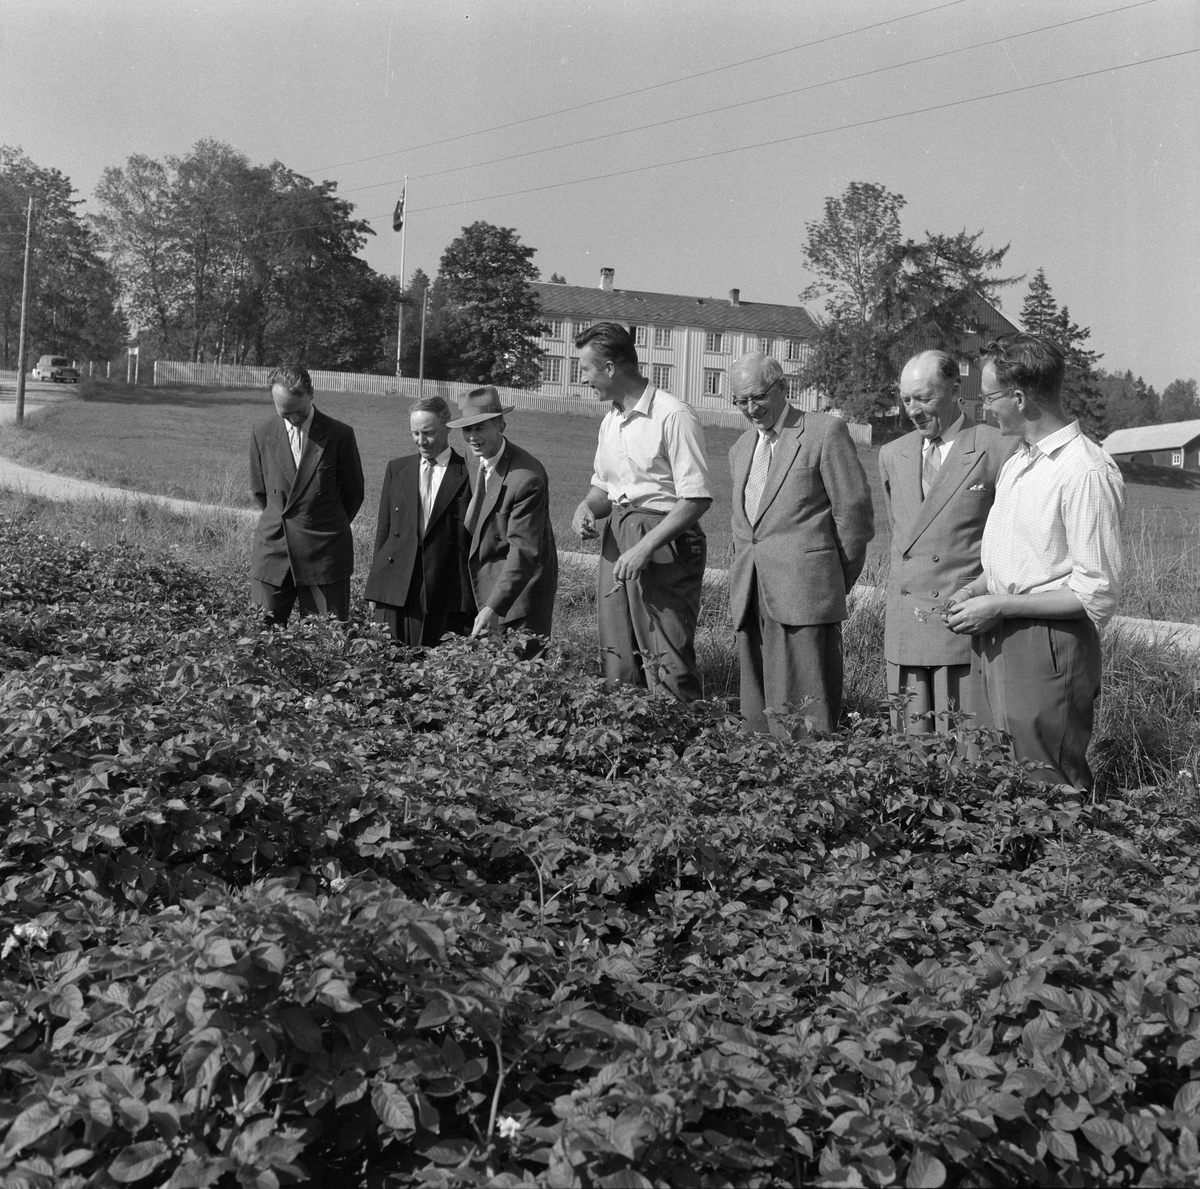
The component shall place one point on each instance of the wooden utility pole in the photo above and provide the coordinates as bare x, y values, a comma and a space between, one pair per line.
424, 311
19, 411
398, 224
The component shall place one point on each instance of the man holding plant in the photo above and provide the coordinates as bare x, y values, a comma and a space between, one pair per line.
1052, 563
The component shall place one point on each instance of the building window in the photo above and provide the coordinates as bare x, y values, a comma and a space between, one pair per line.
662, 337
714, 381
575, 376
552, 369
554, 328
639, 336
795, 350
795, 388
964, 368
661, 376
714, 341
580, 327
755, 343
1177, 458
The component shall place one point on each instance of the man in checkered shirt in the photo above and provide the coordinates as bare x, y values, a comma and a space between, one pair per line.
1052, 562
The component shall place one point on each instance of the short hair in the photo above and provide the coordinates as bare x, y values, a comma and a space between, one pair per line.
612, 340
292, 378
432, 404
1034, 363
947, 366
770, 370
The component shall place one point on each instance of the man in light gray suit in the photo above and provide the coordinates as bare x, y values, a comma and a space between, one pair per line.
802, 518
938, 484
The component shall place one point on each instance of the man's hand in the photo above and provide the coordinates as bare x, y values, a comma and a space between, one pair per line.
584, 523
973, 616
632, 562
486, 620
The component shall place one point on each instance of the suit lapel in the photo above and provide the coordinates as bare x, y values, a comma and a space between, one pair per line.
960, 461
782, 458
311, 458
743, 454
281, 448
491, 494
452, 481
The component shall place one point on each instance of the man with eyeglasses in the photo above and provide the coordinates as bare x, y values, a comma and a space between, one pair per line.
1052, 564
938, 485
650, 479
802, 519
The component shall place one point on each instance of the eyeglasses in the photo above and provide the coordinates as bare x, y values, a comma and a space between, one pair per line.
757, 398
990, 398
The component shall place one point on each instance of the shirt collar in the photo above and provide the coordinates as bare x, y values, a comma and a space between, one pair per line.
490, 464
643, 403
774, 429
442, 459
1055, 441
301, 428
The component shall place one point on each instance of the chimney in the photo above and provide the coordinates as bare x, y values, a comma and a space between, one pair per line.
735, 296
606, 279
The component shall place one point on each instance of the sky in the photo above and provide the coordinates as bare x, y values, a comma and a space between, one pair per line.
1095, 179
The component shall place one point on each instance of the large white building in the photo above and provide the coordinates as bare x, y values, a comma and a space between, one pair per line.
686, 344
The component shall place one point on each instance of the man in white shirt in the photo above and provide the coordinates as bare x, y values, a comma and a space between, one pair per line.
802, 520
306, 477
419, 580
1052, 564
650, 479
938, 485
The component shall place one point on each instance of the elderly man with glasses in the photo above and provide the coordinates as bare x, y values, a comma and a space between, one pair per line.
802, 519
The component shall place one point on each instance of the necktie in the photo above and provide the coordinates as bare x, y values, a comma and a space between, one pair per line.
296, 441
476, 498
932, 464
426, 491
757, 479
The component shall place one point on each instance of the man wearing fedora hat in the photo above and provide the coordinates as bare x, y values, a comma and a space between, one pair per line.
512, 557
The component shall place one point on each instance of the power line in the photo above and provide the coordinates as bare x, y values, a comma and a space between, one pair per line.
762, 144
750, 102
429, 144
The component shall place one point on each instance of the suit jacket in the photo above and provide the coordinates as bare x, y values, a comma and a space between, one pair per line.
809, 539
935, 540
404, 545
512, 556
306, 513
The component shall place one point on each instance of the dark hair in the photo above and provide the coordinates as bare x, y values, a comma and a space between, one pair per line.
292, 378
1031, 362
612, 340
947, 366
432, 404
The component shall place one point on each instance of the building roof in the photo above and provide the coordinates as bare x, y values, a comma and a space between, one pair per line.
670, 309
1146, 438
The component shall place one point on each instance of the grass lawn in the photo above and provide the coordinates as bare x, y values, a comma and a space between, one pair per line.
191, 442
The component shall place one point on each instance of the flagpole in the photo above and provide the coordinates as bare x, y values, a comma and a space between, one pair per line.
403, 204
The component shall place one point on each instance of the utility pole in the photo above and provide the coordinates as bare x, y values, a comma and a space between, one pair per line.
19, 411
424, 311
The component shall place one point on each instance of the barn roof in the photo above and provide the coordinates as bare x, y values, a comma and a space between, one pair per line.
670, 309
1145, 438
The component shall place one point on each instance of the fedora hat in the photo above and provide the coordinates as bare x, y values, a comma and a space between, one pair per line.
480, 404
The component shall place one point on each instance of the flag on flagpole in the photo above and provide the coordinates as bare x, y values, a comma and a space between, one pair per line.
398, 213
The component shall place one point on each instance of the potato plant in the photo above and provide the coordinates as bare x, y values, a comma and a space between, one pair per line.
298, 906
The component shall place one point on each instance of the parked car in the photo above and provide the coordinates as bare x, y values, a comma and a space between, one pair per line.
56, 368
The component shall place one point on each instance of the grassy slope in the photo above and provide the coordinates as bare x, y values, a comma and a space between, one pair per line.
192, 443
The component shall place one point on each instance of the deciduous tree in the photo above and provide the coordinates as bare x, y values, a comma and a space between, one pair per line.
1179, 402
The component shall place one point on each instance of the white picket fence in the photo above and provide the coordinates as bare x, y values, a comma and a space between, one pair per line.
227, 375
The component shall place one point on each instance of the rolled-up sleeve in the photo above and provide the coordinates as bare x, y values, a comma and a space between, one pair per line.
1093, 505
683, 439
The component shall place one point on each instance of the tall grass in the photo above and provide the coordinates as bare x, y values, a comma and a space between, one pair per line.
1162, 565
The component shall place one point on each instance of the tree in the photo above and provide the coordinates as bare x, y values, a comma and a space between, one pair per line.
886, 297
1082, 396
1126, 401
1179, 402
557, 279
221, 259
73, 294
489, 318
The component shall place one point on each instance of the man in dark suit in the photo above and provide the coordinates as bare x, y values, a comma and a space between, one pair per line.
419, 580
512, 557
802, 518
938, 484
306, 476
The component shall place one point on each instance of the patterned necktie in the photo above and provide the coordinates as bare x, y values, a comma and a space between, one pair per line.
931, 465
757, 479
426, 491
476, 498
